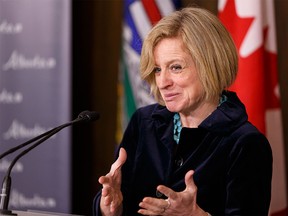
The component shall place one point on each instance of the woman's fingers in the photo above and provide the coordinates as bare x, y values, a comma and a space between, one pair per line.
119, 162
189, 181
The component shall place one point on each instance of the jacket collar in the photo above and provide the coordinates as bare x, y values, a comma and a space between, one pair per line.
226, 118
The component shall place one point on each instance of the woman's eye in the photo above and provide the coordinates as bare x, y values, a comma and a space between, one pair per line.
157, 70
176, 68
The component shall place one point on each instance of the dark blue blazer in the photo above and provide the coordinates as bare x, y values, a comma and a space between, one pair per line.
232, 161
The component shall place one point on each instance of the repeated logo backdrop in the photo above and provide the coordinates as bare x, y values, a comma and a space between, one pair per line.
34, 97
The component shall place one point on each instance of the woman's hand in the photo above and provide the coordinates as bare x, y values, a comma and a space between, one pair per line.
111, 197
177, 203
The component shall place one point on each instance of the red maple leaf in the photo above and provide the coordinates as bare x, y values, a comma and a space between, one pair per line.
232, 22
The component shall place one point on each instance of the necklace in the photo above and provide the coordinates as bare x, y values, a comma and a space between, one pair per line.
177, 127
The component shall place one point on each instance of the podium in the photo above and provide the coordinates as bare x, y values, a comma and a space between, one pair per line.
41, 213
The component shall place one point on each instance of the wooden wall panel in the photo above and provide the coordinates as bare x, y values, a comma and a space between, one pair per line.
97, 27
281, 12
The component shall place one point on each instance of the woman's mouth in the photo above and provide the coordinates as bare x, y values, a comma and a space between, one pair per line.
170, 96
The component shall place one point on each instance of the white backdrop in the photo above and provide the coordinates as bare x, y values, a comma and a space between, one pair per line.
35, 96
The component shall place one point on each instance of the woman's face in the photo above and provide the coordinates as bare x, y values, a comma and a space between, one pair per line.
176, 76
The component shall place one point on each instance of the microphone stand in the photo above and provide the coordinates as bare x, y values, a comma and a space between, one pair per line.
84, 116
6, 185
26, 143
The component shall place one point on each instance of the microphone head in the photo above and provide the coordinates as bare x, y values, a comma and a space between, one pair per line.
89, 116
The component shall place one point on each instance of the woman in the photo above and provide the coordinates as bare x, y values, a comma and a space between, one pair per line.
194, 153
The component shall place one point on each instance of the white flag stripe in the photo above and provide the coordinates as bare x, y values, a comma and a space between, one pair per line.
165, 7
271, 44
140, 18
246, 8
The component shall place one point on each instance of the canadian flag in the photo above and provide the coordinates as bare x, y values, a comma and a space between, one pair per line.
252, 26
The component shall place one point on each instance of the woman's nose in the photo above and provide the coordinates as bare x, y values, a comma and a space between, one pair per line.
163, 79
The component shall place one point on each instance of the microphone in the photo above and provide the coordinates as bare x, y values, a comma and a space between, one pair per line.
88, 116
85, 116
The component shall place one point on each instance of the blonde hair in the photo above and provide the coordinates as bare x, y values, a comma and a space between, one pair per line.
209, 43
